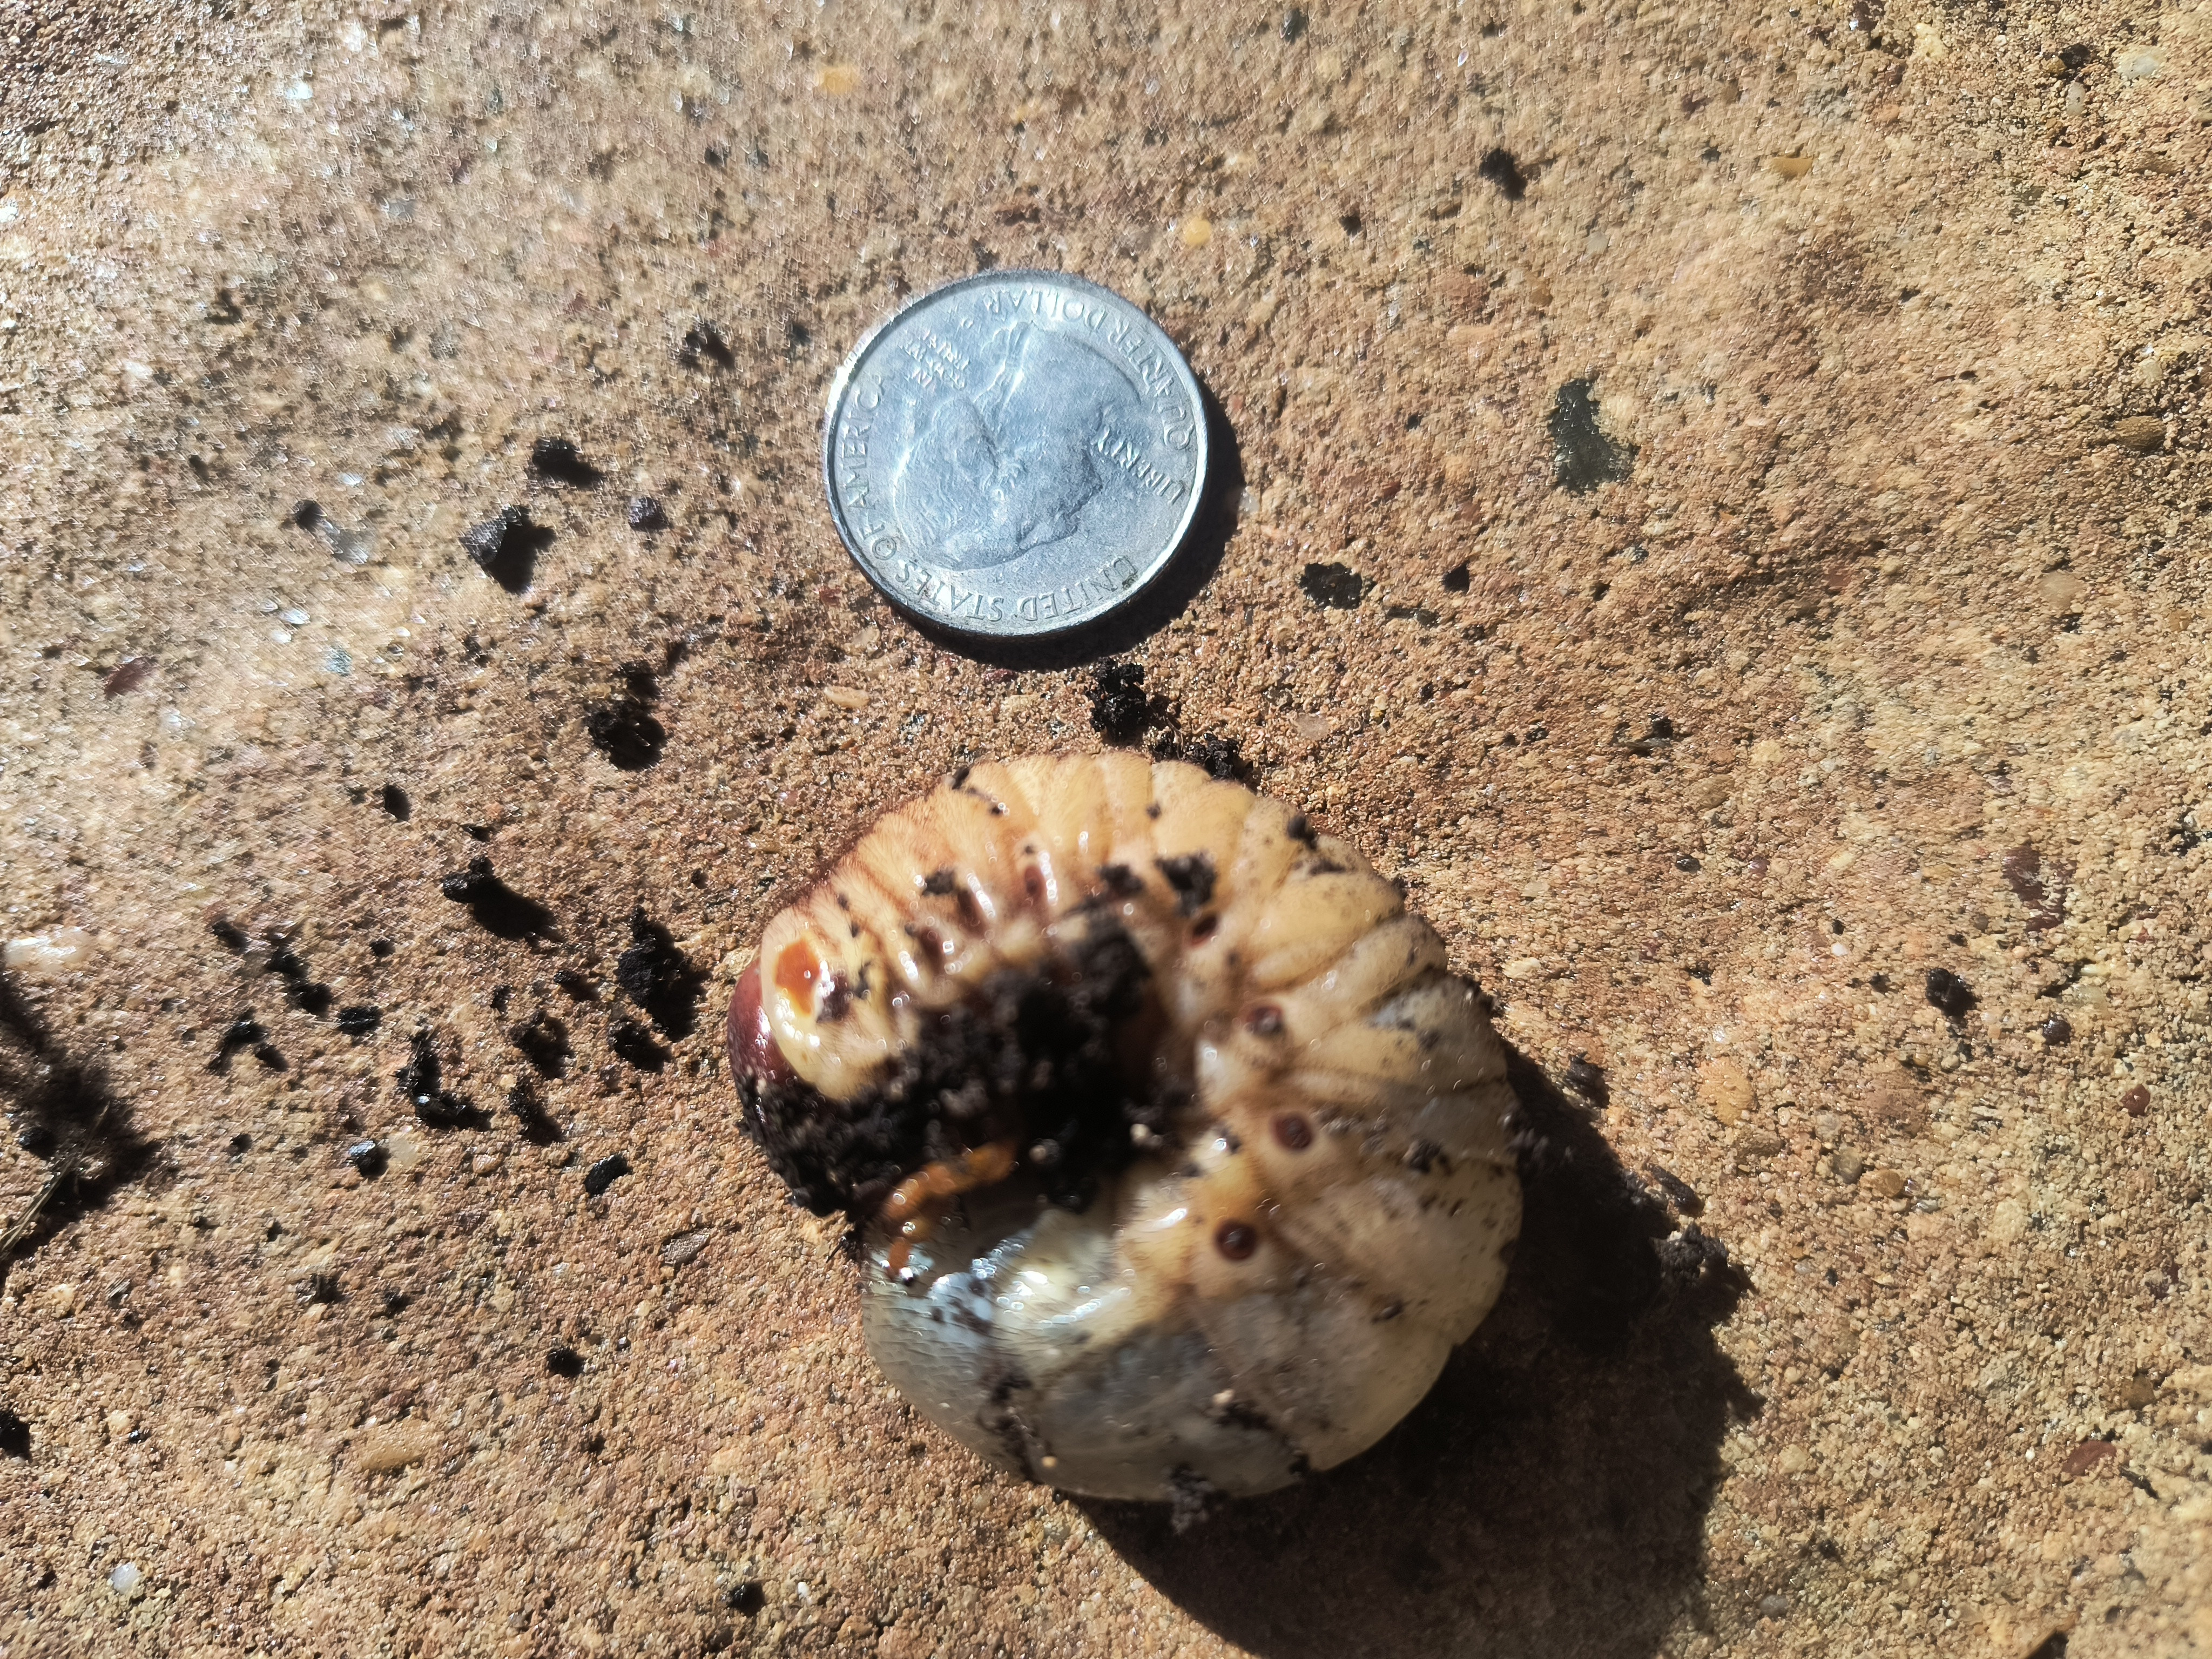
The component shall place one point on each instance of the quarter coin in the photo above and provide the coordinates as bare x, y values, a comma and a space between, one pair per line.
1015, 453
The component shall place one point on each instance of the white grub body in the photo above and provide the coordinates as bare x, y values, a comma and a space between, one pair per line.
1313, 1203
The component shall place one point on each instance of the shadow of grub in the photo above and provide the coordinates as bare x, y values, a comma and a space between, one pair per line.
1160, 601
63, 1113
1548, 1497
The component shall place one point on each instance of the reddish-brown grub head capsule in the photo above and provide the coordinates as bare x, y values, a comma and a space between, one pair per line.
1179, 1156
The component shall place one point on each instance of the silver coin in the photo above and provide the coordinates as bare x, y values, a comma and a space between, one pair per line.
1015, 453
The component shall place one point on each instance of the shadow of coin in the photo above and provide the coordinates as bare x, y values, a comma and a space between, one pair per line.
1158, 603
1547, 1498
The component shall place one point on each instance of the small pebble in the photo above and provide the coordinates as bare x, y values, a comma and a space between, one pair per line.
685, 1248
2145, 434
484, 1163
368, 1157
126, 675
44, 956
2058, 1030
125, 1579
604, 1173
2135, 1102
645, 514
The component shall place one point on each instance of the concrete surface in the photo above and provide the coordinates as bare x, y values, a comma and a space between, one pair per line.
1764, 446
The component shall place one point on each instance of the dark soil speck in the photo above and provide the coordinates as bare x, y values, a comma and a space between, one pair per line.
358, 1019
421, 1081
704, 341
604, 1174
1121, 712
243, 1032
1192, 879
624, 728
655, 974
1333, 587
538, 1125
1948, 993
1583, 456
1499, 167
496, 908
633, 1043
559, 459
505, 547
1220, 757
542, 1040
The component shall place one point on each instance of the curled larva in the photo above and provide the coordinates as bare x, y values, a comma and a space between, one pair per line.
1178, 1156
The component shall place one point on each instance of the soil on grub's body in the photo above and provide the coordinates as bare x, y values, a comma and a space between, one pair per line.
1036, 1057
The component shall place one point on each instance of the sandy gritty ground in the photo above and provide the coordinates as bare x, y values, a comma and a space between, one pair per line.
1763, 447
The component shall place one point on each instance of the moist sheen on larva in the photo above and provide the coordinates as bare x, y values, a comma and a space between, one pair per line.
1178, 1156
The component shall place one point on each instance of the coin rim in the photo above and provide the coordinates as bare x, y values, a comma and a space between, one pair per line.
843, 378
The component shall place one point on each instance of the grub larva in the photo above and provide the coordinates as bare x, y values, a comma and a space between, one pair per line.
1178, 1156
